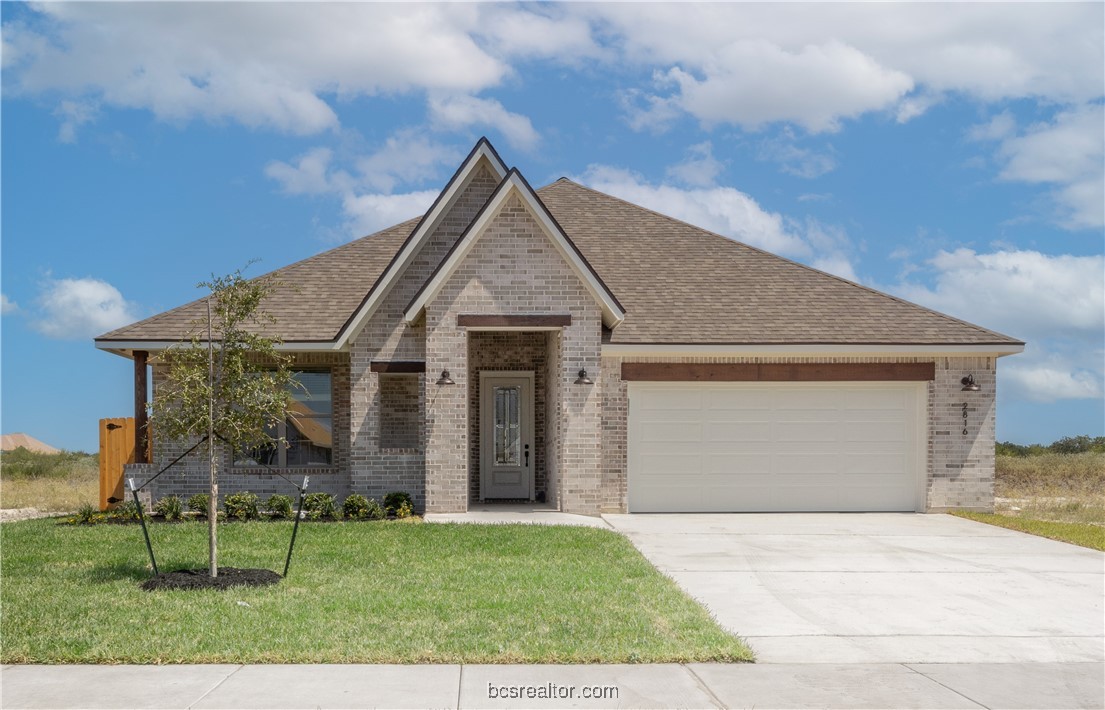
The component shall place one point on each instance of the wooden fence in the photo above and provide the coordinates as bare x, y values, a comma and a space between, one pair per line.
116, 450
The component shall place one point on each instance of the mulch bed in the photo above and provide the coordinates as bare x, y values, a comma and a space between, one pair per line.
201, 579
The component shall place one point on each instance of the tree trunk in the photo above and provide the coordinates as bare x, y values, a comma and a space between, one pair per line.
213, 503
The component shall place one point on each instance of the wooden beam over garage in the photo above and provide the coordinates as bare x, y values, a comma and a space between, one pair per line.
778, 372
397, 366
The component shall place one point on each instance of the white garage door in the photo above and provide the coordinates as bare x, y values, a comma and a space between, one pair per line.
771, 447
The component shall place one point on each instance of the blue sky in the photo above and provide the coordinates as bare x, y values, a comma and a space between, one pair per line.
949, 154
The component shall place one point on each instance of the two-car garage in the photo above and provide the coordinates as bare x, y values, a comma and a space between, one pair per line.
776, 446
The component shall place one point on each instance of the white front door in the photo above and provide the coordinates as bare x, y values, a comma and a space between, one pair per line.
507, 456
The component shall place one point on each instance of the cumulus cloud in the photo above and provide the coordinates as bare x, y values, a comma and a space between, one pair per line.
1068, 152
7, 305
732, 213
368, 213
260, 64
1056, 303
700, 168
73, 115
795, 160
307, 176
462, 112
71, 309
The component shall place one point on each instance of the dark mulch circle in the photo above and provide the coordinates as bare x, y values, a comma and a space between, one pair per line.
201, 579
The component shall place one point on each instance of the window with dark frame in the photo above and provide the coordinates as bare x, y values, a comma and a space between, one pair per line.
308, 430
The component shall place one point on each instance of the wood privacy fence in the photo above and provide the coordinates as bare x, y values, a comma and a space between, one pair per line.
116, 450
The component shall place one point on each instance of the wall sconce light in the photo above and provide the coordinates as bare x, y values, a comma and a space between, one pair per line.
445, 379
969, 384
583, 379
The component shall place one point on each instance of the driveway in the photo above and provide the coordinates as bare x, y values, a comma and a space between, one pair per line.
882, 587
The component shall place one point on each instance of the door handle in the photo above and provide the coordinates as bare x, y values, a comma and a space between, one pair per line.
527, 455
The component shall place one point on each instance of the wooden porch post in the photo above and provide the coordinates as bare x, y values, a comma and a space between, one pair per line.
141, 420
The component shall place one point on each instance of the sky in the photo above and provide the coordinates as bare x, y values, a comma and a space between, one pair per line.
949, 154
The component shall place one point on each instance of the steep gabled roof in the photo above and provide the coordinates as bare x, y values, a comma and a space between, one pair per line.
675, 283
515, 184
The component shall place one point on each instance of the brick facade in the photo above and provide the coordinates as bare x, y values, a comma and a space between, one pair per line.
959, 468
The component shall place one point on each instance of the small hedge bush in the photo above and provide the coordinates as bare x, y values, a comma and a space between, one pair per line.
321, 506
199, 503
241, 506
170, 508
280, 507
399, 501
357, 507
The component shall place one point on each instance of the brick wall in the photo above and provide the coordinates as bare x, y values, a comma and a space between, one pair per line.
513, 269
376, 469
507, 351
959, 469
191, 475
400, 414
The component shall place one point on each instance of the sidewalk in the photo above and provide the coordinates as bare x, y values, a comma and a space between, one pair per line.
830, 686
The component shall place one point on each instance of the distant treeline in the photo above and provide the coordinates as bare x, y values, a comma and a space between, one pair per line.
1066, 445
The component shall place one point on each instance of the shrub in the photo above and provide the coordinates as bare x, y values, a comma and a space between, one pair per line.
85, 514
280, 507
169, 507
241, 506
199, 503
394, 500
404, 510
320, 506
357, 507
125, 512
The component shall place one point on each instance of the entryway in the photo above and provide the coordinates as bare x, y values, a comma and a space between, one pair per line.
507, 451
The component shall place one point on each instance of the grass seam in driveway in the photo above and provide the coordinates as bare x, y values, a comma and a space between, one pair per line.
1081, 534
357, 593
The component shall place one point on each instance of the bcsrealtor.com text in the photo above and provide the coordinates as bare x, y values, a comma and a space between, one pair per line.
551, 691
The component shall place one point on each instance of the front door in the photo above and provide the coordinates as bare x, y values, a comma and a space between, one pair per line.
507, 457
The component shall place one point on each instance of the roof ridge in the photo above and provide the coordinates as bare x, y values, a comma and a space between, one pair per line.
764, 252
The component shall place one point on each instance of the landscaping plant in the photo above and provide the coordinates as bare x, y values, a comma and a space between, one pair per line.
321, 506
235, 393
280, 507
200, 504
241, 506
169, 508
397, 500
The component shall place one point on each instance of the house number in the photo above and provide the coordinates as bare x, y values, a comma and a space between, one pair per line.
964, 419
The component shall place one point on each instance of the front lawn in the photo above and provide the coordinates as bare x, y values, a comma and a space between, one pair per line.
357, 593
1084, 534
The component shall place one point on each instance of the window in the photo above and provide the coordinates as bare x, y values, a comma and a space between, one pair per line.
308, 428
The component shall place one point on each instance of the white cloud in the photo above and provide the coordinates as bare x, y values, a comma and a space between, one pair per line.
406, 157
1055, 303
461, 112
755, 63
308, 176
72, 309
260, 64
74, 114
535, 35
997, 128
370, 213
1068, 152
7, 306
700, 168
800, 162
733, 214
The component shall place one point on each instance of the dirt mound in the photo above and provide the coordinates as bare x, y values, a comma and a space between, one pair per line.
200, 579
11, 442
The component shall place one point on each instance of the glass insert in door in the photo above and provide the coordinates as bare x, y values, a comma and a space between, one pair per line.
508, 426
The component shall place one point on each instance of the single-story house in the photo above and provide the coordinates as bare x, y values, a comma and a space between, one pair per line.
565, 347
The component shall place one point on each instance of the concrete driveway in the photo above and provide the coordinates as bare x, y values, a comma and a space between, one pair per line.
882, 587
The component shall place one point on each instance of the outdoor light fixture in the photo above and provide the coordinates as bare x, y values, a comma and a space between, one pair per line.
445, 379
969, 384
583, 379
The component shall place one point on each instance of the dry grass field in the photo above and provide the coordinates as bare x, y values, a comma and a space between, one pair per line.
49, 482
1052, 486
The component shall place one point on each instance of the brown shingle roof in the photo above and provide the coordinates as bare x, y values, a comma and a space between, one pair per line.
678, 284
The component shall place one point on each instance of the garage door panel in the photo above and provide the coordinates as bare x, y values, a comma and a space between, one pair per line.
722, 447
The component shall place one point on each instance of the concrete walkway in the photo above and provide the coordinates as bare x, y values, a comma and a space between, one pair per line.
883, 587
830, 686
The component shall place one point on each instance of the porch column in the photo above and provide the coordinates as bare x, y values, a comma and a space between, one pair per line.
141, 420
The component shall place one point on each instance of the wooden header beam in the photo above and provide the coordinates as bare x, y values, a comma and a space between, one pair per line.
778, 372
397, 366
529, 321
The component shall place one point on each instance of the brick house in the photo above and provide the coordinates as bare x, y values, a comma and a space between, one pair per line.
567, 348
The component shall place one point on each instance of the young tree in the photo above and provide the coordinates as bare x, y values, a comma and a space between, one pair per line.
229, 384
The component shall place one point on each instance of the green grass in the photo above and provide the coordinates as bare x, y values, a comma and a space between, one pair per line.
356, 593
1084, 534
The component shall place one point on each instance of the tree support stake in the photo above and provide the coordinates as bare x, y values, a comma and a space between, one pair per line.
295, 528
142, 519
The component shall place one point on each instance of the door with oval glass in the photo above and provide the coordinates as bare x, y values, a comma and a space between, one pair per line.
507, 456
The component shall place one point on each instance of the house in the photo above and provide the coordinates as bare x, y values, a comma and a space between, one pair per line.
566, 347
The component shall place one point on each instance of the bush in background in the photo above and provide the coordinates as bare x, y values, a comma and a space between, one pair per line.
397, 500
199, 503
169, 507
320, 506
